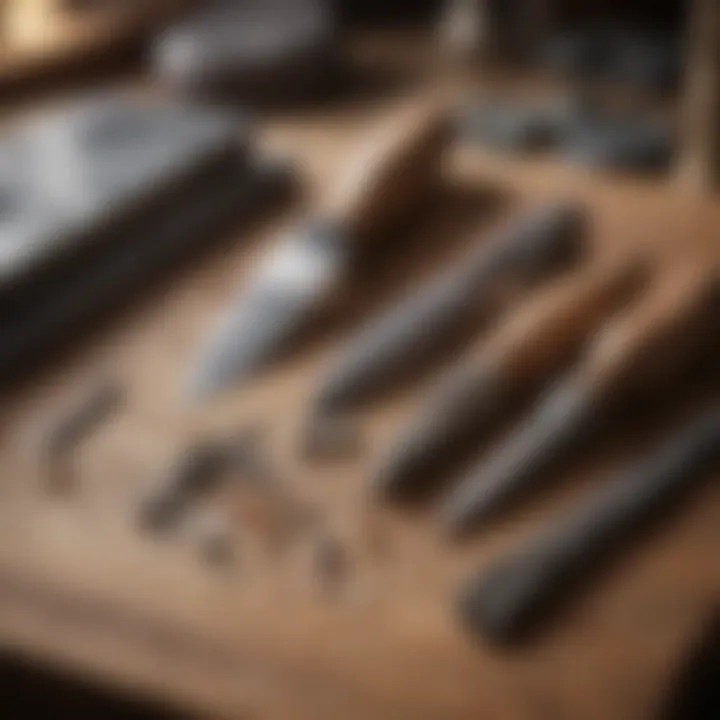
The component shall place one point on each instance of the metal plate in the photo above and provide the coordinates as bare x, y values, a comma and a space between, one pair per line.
89, 163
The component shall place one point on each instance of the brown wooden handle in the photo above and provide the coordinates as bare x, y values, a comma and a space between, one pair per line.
391, 171
655, 336
554, 324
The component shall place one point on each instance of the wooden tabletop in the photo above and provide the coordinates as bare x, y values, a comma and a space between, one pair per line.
83, 587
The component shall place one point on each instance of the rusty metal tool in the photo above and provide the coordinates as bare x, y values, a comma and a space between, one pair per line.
198, 470
74, 427
509, 601
523, 252
532, 344
387, 178
635, 353
98, 405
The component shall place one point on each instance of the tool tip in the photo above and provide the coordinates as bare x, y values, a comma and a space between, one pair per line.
215, 375
208, 382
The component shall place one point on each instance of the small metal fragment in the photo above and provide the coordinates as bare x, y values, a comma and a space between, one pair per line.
197, 472
74, 427
77, 424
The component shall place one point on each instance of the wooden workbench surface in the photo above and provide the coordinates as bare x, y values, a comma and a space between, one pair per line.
81, 586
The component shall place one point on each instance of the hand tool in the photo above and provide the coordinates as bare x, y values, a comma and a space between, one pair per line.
104, 399
518, 125
72, 174
103, 194
471, 395
199, 470
635, 353
202, 468
278, 51
632, 142
508, 601
521, 253
648, 62
388, 177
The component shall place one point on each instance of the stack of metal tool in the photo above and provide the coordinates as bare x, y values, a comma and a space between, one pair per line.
615, 334
577, 335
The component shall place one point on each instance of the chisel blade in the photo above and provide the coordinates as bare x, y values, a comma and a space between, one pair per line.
561, 419
282, 296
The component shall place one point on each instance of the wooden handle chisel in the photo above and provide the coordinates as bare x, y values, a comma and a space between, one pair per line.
635, 353
522, 353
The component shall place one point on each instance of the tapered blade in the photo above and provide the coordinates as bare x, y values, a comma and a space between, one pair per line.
282, 296
561, 419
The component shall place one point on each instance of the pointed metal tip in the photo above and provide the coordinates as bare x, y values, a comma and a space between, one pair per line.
217, 372
209, 382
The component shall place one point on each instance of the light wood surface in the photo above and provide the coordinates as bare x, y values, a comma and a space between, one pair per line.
82, 587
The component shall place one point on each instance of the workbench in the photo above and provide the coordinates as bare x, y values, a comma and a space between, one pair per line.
83, 588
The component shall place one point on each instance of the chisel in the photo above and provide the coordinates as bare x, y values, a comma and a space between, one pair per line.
508, 601
638, 351
391, 173
524, 251
521, 354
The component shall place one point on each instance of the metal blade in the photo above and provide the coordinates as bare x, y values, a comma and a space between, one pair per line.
559, 421
283, 295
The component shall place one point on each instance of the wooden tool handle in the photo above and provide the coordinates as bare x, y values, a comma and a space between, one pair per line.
555, 323
391, 171
654, 337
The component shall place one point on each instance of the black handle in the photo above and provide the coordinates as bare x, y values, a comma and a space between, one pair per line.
509, 600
